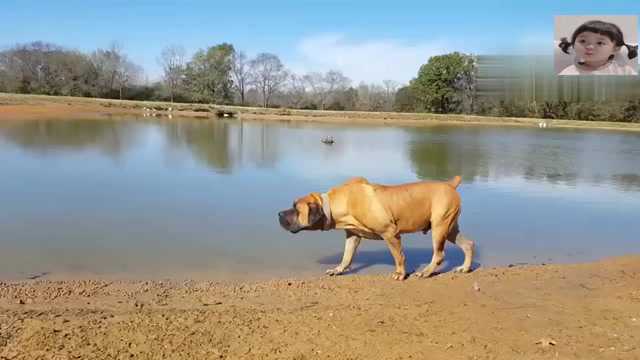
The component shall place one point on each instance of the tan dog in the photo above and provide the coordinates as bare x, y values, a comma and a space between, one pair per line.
373, 211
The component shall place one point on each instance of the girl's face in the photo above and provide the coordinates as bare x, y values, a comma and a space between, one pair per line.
594, 49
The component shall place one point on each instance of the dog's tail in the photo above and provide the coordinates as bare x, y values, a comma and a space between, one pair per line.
455, 181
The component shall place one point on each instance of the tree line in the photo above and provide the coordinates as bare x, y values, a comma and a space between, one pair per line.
222, 74
219, 74
43, 68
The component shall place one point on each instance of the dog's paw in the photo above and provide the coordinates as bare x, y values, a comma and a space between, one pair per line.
461, 269
335, 271
423, 274
399, 276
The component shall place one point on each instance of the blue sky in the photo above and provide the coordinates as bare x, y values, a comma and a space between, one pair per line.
367, 40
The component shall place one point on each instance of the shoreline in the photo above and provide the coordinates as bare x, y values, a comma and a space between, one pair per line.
37, 107
570, 311
39, 278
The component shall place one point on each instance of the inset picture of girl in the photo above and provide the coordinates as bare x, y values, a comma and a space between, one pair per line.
596, 45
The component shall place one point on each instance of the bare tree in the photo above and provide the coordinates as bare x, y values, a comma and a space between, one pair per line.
172, 60
240, 73
297, 90
390, 88
5, 74
268, 74
336, 82
315, 82
325, 86
107, 64
371, 97
363, 97
128, 73
377, 98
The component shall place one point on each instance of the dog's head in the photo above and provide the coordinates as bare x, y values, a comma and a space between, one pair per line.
305, 214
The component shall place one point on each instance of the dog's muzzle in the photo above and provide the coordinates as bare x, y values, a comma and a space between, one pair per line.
288, 222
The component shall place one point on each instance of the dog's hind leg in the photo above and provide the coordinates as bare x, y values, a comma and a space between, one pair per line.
350, 247
466, 245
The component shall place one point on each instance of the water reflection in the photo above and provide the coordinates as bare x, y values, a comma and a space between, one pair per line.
627, 182
567, 157
110, 137
207, 140
441, 153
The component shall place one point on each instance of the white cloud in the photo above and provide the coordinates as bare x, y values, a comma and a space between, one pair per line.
368, 60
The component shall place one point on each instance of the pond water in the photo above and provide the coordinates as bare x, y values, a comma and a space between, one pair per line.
199, 198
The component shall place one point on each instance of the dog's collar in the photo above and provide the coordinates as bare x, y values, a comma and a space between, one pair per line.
326, 208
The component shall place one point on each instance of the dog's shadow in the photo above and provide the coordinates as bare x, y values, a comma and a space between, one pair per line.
415, 259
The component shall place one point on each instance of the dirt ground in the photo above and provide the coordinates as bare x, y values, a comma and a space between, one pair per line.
582, 311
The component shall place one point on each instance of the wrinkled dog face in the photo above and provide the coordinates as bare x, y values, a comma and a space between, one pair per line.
306, 214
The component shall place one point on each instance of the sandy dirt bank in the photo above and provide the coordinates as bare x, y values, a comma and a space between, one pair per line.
582, 311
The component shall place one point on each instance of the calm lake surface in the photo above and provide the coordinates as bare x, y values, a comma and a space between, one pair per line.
199, 198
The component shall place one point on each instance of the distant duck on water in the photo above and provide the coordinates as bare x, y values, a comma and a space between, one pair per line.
328, 140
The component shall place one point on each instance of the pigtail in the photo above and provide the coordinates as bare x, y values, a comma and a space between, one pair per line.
565, 45
632, 51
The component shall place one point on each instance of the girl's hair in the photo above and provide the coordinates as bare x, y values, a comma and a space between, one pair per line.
612, 31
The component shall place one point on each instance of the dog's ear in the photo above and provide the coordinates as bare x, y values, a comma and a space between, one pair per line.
315, 213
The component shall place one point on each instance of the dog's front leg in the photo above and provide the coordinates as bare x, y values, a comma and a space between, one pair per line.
395, 246
350, 247
394, 243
